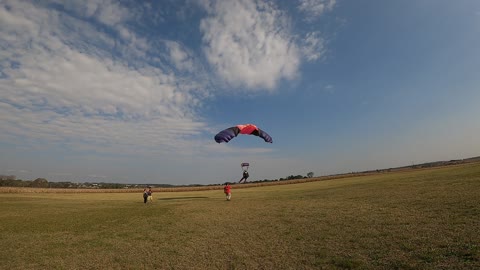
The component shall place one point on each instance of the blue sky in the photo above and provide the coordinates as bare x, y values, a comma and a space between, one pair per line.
133, 92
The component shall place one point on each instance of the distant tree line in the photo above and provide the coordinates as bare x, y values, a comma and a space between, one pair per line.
12, 181
7, 177
291, 177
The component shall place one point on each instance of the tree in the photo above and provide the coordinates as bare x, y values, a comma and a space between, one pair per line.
40, 182
310, 174
7, 177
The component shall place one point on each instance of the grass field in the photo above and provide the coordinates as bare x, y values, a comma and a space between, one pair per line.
428, 219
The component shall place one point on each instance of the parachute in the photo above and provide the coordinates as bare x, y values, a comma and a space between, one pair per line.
245, 166
249, 129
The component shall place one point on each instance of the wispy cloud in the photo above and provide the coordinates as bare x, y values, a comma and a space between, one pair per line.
60, 83
108, 12
86, 76
329, 89
76, 74
180, 57
315, 8
313, 46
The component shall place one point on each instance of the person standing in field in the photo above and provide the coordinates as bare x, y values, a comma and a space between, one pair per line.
145, 195
150, 195
227, 189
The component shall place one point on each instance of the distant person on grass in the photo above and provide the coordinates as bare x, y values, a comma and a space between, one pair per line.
150, 195
145, 195
227, 189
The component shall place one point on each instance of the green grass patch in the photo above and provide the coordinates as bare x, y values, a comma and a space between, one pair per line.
428, 219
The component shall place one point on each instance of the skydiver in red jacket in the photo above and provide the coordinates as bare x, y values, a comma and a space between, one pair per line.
227, 189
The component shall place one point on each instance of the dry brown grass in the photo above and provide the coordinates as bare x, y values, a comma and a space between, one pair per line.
426, 219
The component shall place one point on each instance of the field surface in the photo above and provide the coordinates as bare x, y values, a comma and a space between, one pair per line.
426, 219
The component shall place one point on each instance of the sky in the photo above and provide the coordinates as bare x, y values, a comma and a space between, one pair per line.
135, 91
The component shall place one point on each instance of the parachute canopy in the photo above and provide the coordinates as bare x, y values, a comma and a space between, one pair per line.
245, 166
249, 129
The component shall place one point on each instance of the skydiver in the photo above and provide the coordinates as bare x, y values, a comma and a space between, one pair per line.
245, 176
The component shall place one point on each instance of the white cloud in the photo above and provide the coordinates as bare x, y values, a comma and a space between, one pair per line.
179, 57
315, 8
329, 89
78, 75
313, 46
59, 85
108, 12
249, 43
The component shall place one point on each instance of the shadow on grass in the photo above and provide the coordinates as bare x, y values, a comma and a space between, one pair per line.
180, 198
